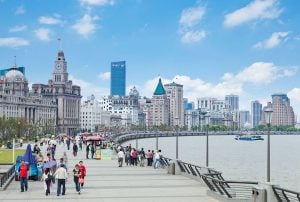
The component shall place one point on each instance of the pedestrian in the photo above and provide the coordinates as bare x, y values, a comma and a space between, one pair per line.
142, 157
80, 144
134, 157
152, 156
68, 143
53, 147
61, 176
47, 178
148, 156
127, 157
87, 149
83, 172
65, 157
77, 174
92, 151
23, 175
158, 160
75, 149
121, 156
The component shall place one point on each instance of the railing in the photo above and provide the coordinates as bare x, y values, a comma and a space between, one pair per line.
285, 194
6, 176
216, 183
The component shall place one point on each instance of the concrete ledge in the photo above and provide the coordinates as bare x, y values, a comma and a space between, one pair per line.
7, 182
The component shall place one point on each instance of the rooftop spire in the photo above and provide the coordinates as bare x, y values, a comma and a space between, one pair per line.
159, 88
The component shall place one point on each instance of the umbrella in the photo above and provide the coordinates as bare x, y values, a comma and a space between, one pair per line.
94, 138
49, 164
28, 157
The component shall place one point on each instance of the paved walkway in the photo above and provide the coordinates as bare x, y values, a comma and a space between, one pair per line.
106, 182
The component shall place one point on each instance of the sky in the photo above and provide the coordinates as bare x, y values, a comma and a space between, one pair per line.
214, 48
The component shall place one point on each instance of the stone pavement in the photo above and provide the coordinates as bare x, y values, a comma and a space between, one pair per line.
106, 182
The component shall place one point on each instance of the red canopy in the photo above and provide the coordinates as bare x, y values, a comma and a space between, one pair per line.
94, 138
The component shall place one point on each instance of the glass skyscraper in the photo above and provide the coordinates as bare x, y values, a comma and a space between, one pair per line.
118, 78
256, 113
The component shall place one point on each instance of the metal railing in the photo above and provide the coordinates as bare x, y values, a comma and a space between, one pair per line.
6, 176
285, 194
216, 183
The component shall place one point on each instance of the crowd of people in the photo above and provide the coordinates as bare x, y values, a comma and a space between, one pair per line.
134, 157
53, 171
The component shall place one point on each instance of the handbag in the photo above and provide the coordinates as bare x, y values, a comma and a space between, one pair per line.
81, 180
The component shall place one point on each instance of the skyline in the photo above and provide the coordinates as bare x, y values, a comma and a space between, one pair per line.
194, 43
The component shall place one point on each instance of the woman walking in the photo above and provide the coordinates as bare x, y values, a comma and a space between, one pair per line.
77, 174
47, 177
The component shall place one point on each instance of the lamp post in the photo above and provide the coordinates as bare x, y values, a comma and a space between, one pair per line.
268, 115
207, 116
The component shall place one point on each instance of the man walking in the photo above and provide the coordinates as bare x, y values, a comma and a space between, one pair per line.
23, 175
87, 149
61, 176
121, 156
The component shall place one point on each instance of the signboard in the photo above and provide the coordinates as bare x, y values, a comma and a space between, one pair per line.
98, 153
106, 154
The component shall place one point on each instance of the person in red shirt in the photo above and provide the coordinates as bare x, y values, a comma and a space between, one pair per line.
23, 175
82, 171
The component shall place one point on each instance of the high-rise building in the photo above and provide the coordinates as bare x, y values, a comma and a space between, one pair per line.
283, 113
232, 102
66, 94
118, 78
244, 120
256, 113
205, 103
175, 95
160, 106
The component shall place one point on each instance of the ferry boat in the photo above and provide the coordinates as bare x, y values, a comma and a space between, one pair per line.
248, 137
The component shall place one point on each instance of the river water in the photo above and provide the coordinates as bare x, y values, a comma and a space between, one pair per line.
238, 160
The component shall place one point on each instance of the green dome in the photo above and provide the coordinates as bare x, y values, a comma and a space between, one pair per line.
159, 88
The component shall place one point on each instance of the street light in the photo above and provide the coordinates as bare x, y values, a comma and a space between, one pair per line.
207, 125
268, 115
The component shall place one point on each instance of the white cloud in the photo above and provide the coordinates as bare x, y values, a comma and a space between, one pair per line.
47, 20
275, 39
86, 25
188, 22
20, 10
13, 42
17, 28
191, 16
43, 34
97, 2
104, 76
256, 10
258, 73
192, 36
88, 88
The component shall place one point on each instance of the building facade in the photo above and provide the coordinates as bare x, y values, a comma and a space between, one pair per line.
244, 120
232, 102
283, 113
92, 115
67, 96
17, 102
160, 106
118, 78
174, 93
256, 113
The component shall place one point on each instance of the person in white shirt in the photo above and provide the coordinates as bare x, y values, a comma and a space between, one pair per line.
121, 156
61, 176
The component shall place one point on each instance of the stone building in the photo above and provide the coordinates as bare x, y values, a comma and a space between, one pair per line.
67, 96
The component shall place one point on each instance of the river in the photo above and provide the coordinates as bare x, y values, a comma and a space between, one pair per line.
238, 160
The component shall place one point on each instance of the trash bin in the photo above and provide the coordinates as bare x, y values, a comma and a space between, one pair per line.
259, 194
171, 168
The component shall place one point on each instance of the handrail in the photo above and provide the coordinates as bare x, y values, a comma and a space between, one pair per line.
6, 176
285, 194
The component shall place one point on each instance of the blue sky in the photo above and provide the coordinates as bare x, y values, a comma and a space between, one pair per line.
246, 47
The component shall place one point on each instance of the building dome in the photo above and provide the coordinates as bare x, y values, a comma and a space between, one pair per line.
134, 92
15, 75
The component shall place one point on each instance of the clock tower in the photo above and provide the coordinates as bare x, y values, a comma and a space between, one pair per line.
60, 74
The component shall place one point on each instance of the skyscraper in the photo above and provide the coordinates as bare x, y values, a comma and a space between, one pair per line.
283, 113
232, 102
175, 95
256, 113
118, 78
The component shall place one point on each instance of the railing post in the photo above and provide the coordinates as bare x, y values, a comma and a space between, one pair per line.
136, 143
156, 142
177, 146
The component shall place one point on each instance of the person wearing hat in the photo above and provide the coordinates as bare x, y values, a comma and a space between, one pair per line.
23, 175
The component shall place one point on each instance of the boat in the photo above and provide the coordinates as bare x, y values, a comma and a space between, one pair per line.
248, 137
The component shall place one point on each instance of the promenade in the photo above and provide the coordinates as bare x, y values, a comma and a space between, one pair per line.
106, 182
